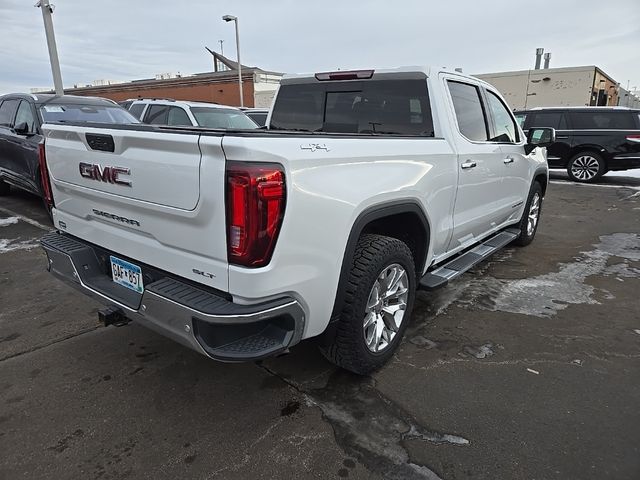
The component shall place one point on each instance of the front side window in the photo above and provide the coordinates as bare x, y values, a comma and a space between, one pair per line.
390, 107
25, 115
7, 111
212, 117
469, 113
177, 116
157, 115
602, 120
504, 125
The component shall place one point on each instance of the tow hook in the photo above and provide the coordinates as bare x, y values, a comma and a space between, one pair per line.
112, 316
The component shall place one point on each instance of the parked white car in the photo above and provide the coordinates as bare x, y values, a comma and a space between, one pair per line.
367, 186
156, 111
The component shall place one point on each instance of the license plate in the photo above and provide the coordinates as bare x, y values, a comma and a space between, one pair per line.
126, 274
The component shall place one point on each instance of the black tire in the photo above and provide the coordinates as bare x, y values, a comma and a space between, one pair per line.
586, 167
527, 234
4, 188
344, 342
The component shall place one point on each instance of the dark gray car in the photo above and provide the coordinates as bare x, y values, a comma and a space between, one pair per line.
21, 118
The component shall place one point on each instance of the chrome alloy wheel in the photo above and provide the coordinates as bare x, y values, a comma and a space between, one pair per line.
585, 167
534, 214
386, 307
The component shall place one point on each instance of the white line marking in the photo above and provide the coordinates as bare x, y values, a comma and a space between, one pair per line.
563, 182
27, 219
531, 370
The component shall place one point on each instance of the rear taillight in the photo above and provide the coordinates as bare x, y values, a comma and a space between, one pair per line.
633, 138
44, 177
256, 197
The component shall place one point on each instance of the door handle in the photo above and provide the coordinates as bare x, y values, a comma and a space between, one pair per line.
468, 164
508, 160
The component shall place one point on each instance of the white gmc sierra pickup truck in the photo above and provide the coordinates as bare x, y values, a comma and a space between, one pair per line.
366, 186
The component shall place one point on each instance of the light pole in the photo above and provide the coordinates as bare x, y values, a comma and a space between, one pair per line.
47, 10
231, 18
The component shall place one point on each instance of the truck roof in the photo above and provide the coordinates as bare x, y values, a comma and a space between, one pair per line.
404, 72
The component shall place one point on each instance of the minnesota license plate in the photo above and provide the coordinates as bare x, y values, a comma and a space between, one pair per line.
126, 274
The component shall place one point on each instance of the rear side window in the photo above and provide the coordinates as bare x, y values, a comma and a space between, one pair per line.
25, 115
469, 112
599, 120
136, 110
8, 111
504, 125
391, 107
548, 119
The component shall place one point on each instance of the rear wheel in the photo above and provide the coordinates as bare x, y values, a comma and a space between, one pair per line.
586, 167
377, 306
4, 188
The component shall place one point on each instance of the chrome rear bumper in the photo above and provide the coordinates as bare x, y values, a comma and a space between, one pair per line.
193, 316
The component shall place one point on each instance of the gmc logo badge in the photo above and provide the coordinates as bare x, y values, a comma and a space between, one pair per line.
108, 174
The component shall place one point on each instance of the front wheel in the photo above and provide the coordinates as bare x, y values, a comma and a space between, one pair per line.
586, 167
531, 217
378, 301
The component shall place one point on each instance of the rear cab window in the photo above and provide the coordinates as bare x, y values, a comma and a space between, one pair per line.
369, 107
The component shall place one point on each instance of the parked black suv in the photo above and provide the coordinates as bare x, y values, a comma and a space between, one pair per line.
590, 141
21, 117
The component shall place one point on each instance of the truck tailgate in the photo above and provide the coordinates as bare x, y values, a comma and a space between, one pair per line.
155, 197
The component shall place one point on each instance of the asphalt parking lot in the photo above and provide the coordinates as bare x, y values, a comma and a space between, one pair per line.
528, 367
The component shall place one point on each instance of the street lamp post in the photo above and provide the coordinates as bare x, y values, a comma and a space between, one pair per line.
231, 18
47, 10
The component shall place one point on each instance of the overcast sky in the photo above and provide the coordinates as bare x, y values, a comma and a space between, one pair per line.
132, 39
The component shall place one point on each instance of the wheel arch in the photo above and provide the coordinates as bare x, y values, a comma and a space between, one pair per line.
404, 220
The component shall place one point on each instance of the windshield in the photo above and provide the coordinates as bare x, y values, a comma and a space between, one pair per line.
222, 118
86, 113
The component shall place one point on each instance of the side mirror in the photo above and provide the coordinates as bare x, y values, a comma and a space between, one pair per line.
22, 129
539, 137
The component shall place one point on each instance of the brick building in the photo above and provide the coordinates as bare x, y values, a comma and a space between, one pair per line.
220, 86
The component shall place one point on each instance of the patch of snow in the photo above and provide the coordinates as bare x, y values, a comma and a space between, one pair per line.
8, 221
483, 351
635, 173
12, 245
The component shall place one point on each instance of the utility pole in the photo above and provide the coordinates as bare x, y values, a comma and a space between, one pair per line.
47, 10
231, 18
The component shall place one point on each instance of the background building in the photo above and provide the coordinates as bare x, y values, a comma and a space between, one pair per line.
220, 86
551, 87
